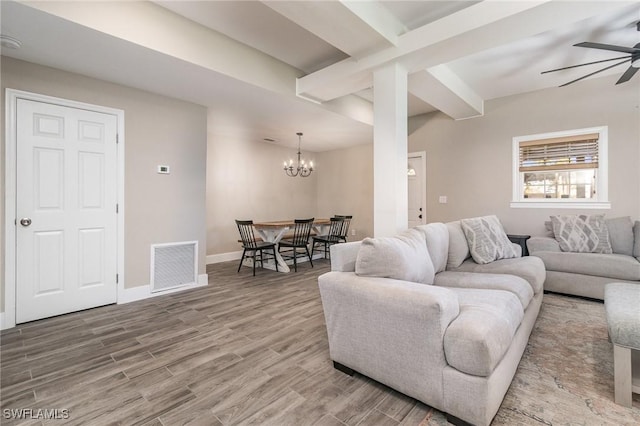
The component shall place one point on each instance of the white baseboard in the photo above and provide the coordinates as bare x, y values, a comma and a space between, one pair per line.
131, 295
144, 291
224, 257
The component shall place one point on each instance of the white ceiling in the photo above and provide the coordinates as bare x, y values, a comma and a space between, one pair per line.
197, 51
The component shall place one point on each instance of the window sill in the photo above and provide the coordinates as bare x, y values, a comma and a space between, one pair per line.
560, 204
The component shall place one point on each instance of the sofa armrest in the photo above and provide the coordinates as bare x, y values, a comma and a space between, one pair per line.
535, 244
343, 256
389, 330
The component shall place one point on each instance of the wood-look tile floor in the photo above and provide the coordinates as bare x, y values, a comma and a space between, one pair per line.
243, 350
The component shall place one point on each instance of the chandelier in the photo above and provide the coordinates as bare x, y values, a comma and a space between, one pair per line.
301, 169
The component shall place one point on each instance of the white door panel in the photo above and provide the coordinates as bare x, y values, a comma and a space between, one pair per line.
416, 184
67, 187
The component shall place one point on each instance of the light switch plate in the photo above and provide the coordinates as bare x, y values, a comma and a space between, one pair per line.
442, 199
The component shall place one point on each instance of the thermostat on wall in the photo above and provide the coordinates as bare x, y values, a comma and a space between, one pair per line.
165, 170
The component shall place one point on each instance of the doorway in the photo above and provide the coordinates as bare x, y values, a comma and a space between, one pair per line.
417, 183
64, 225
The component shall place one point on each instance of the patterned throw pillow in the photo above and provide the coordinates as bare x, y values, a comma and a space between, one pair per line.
487, 239
582, 233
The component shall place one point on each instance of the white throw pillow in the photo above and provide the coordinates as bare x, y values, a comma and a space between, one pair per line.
487, 240
582, 233
402, 257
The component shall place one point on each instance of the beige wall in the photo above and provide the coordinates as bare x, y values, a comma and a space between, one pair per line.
469, 161
245, 180
345, 186
158, 130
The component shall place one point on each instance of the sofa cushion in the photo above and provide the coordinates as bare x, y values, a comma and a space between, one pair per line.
581, 233
529, 268
486, 239
437, 237
621, 235
615, 266
402, 257
458, 247
516, 285
478, 338
621, 301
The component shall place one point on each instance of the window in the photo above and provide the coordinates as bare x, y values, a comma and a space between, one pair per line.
561, 169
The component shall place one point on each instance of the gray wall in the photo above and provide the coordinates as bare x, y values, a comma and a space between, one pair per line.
469, 161
246, 180
158, 130
345, 186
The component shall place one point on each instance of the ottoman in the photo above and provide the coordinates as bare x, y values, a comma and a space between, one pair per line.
622, 306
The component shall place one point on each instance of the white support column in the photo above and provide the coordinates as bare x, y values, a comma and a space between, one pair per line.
390, 150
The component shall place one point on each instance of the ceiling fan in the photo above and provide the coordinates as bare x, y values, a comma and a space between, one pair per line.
633, 56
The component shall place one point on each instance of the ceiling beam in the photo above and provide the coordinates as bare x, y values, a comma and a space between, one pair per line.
443, 89
355, 28
479, 27
193, 44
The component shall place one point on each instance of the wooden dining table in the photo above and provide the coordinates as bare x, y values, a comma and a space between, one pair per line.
274, 231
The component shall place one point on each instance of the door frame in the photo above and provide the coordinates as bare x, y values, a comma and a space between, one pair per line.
8, 318
423, 162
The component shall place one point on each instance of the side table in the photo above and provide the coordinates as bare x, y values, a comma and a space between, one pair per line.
521, 240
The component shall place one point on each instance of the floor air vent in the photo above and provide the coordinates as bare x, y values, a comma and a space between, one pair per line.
173, 265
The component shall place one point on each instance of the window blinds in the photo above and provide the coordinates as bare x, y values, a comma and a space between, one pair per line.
571, 152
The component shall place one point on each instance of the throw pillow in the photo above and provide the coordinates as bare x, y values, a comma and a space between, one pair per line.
621, 235
402, 257
487, 240
581, 233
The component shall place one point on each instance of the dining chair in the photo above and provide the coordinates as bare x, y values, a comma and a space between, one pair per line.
249, 244
344, 232
301, 233
333, 237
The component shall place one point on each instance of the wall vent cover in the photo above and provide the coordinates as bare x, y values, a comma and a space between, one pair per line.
173, 265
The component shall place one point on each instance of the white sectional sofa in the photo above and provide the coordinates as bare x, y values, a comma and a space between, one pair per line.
450, 334
586, 274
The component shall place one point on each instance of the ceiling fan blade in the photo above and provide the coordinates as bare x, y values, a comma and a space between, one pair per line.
627, 75
588, 63
608, 47
596, 72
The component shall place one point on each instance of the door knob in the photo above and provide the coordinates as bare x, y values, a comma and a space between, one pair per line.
25, 221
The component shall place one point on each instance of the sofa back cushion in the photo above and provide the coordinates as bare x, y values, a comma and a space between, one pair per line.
487, 240
437, 237
621, 235
401, 257
458, 247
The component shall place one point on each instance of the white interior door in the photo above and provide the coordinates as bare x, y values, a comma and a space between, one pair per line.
417, 193
66, 195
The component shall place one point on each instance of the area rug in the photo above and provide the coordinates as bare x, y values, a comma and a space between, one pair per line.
565, 376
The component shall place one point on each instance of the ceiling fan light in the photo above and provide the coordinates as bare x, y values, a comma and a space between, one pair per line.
635, 63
